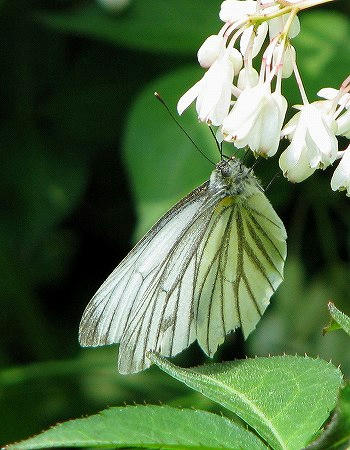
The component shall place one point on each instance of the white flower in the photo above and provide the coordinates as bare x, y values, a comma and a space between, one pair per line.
313, 143
236, 59
343, 100
341, 176
288, 59
256, 120
260, 35
213, 92
343, 123
294, 164
277, 24
210, 50
331, 94
248, 77
237, 10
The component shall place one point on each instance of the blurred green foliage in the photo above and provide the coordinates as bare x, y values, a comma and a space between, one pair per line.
89, 160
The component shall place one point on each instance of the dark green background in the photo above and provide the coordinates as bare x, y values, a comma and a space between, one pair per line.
89, 160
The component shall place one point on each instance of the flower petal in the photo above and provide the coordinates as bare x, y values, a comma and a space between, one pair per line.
259, 38
344, 124
232, 10
341, 176
188, 98
210, 50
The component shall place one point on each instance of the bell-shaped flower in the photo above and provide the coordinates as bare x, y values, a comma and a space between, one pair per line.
294, 163
341, 177
248, 77
237, 10
258, 40
210, 50
288, 59
277, 24
343, 123
213, 92
256, 120
331, 94
343, 100
313, 143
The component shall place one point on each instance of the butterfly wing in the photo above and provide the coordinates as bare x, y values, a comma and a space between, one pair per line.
147, 302
208, 266
241, 261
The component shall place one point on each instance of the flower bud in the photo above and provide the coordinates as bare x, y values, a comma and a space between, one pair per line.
210, 50
341, 177
235, 10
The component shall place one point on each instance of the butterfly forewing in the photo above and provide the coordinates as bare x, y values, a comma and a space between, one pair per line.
140, 301
208, 266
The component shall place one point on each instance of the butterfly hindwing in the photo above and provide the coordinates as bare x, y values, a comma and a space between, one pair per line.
209, 266
242, 258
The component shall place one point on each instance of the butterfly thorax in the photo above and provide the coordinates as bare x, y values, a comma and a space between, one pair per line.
232, 178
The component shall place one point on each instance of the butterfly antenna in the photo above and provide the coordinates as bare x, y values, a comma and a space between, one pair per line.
277, 174
254, 164
158, 97
219, 145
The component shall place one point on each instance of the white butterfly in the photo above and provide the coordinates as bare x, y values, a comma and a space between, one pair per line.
208, 266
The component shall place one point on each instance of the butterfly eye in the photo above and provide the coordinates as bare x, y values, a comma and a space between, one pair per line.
225, 171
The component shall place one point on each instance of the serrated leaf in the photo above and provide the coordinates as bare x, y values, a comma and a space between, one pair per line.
271, 395
148, 427
339, 320
156, 25
332, 326
337, 433
162, 162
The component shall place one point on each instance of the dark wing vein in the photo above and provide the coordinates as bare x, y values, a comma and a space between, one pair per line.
137, 321
219, 256
265, 235
258, 242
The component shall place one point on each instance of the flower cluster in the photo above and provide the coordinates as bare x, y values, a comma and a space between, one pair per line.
248, 107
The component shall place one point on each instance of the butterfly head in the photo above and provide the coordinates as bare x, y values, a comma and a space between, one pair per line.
233, 176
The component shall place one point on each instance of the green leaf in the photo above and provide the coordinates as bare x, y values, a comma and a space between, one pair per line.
162, 162
147, 426
337, 433
169, 26
339, 320
271, 394
324, 35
